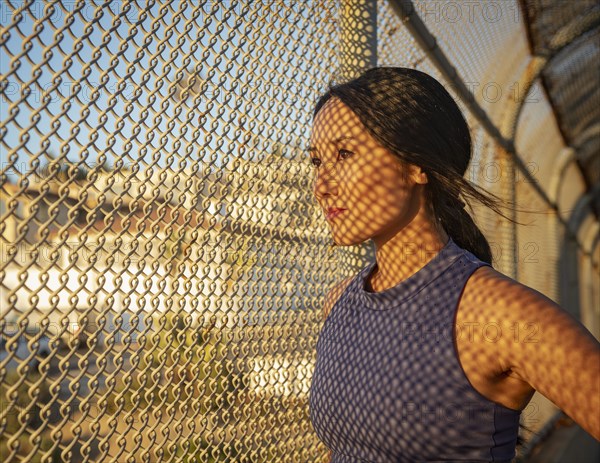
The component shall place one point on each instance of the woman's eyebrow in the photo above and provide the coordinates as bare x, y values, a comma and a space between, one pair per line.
335, 141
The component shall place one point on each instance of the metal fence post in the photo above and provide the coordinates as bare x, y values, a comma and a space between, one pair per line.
358, 44
358, 53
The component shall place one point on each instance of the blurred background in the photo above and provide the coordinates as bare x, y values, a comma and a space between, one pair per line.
163, 262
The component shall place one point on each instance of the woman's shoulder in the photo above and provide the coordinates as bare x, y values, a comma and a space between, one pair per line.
334, 294
523, 316
500, 291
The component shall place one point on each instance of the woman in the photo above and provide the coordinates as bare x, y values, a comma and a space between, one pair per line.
428, 353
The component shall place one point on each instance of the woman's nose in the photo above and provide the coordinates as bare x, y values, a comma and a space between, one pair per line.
326, 181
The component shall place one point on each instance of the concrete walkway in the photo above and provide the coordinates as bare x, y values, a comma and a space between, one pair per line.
567, 444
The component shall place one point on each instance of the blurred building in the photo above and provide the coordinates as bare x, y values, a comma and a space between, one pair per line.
129, 241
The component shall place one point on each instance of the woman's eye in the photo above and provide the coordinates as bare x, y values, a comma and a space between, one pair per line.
344, 154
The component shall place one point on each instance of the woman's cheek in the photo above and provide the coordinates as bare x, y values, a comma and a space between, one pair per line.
360, 178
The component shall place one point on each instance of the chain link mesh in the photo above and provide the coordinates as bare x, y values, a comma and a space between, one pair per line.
163, 262
157, 299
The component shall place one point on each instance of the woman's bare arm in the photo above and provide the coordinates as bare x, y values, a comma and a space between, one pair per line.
548, 348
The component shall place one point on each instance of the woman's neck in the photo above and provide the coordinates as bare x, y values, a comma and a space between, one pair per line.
405, 252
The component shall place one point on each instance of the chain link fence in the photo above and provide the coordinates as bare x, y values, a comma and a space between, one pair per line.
163, 262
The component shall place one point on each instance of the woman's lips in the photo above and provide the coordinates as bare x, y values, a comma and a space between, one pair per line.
333, 212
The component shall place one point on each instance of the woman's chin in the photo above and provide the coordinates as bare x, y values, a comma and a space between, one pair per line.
347, 240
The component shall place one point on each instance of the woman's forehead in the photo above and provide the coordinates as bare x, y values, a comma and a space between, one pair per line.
333, 119
333, 109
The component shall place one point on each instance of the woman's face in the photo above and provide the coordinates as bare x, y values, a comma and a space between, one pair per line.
354, 172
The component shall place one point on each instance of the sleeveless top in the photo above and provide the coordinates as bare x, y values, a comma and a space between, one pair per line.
388, 385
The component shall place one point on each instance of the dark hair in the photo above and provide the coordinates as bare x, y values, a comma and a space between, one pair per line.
411, 114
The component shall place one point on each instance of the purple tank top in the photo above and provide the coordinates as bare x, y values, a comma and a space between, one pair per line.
388, 385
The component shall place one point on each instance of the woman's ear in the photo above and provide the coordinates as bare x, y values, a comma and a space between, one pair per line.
419, 176
412, 172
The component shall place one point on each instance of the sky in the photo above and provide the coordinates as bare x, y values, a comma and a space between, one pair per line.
106, 70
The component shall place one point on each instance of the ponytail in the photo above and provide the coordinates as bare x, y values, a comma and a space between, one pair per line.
459, 225
443, 191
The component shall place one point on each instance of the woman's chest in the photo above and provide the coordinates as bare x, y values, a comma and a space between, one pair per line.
395, 378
